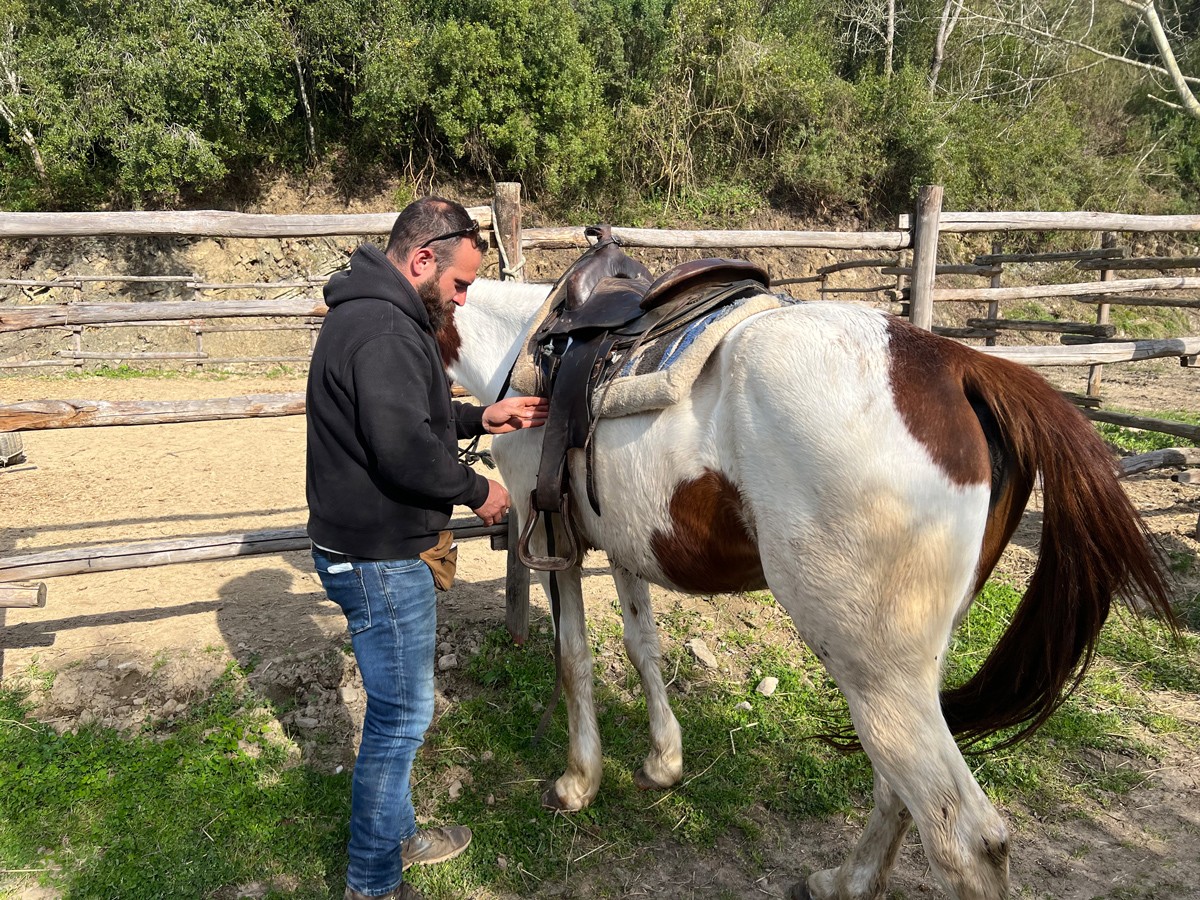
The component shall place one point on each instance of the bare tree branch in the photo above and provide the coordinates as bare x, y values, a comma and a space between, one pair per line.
13, 85
950, 14
1149, 15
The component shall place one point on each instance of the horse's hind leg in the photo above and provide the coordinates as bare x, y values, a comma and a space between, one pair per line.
664, 765
897, 715
864, 873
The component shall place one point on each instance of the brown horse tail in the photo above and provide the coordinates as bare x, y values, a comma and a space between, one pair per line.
1094, 546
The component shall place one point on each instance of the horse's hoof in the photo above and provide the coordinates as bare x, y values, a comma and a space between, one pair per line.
551, 800
645, 783
798, 891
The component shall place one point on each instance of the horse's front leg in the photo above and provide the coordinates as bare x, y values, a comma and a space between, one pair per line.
664, 765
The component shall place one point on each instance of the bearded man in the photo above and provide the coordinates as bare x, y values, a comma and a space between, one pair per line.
382, 478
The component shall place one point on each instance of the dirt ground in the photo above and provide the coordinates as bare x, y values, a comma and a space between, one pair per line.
129, 642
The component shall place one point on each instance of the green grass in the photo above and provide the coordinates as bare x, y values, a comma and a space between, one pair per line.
173, 812
1134, 440
185, 810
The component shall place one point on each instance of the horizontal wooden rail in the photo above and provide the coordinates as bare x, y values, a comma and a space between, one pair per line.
1097, 354
985, 259
1080, 328
41, 415
201, 223
20, 318
1089, 288
1145, 262
568, 237
36, 415
114, 557
962, 222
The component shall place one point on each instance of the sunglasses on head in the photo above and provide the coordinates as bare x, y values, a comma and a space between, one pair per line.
472, 232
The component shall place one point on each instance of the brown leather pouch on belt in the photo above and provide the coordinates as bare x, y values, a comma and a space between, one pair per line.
442, 560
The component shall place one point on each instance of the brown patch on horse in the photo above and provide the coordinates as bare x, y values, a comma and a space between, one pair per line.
709, 548
927, 375
929, 395
449, 341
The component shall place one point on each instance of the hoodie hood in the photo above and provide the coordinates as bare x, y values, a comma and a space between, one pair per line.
371, 274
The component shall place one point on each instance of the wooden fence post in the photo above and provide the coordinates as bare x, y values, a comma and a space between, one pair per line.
516, 586
925, 241
1107, 241
993, 305
506, 222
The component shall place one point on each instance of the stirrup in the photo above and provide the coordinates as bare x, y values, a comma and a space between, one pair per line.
549, 563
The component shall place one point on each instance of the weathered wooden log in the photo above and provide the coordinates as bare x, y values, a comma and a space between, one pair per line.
996, 256
569, 237
1191, 476
955, 332
1158, 459
1161, 426
855, 264
1145, 262
202, 223
114, 557
23, 596
946, 270
516, 587
507, 227
1082, 399
1075, 340
1103, 310
1099, 331
42, 414
1089, 288
924, 262
964, 222
1097, 353
890, 287
19, 318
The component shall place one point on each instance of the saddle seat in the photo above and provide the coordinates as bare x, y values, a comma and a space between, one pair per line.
605, 304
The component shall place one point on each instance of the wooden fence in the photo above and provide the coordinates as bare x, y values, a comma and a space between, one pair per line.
911, 284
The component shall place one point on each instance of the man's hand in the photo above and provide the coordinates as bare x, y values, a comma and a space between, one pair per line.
516, 413
495, 507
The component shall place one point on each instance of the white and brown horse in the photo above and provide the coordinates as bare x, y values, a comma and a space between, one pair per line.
869, 474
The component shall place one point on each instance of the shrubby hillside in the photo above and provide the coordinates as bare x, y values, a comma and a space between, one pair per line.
617, 106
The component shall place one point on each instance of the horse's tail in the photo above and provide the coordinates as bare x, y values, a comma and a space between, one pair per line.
1094, 545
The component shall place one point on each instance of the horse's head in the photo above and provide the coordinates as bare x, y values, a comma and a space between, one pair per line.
481, 341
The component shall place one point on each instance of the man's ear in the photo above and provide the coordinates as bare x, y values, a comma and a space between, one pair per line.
420, 264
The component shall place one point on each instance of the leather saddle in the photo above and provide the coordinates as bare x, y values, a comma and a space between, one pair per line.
604, 306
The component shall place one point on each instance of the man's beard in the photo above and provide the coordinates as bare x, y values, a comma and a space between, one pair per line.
438, 310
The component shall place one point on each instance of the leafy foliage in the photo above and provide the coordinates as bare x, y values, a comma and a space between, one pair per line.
133, 102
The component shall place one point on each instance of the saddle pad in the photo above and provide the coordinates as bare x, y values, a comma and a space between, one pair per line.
660, 372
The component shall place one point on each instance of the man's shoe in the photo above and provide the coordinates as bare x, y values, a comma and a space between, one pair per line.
404, 892
435, 845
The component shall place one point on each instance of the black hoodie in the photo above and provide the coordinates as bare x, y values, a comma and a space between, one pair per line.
382, 474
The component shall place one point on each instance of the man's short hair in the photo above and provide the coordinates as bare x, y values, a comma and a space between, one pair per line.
434, 222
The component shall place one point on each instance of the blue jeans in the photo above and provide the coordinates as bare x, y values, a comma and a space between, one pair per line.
391, 611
